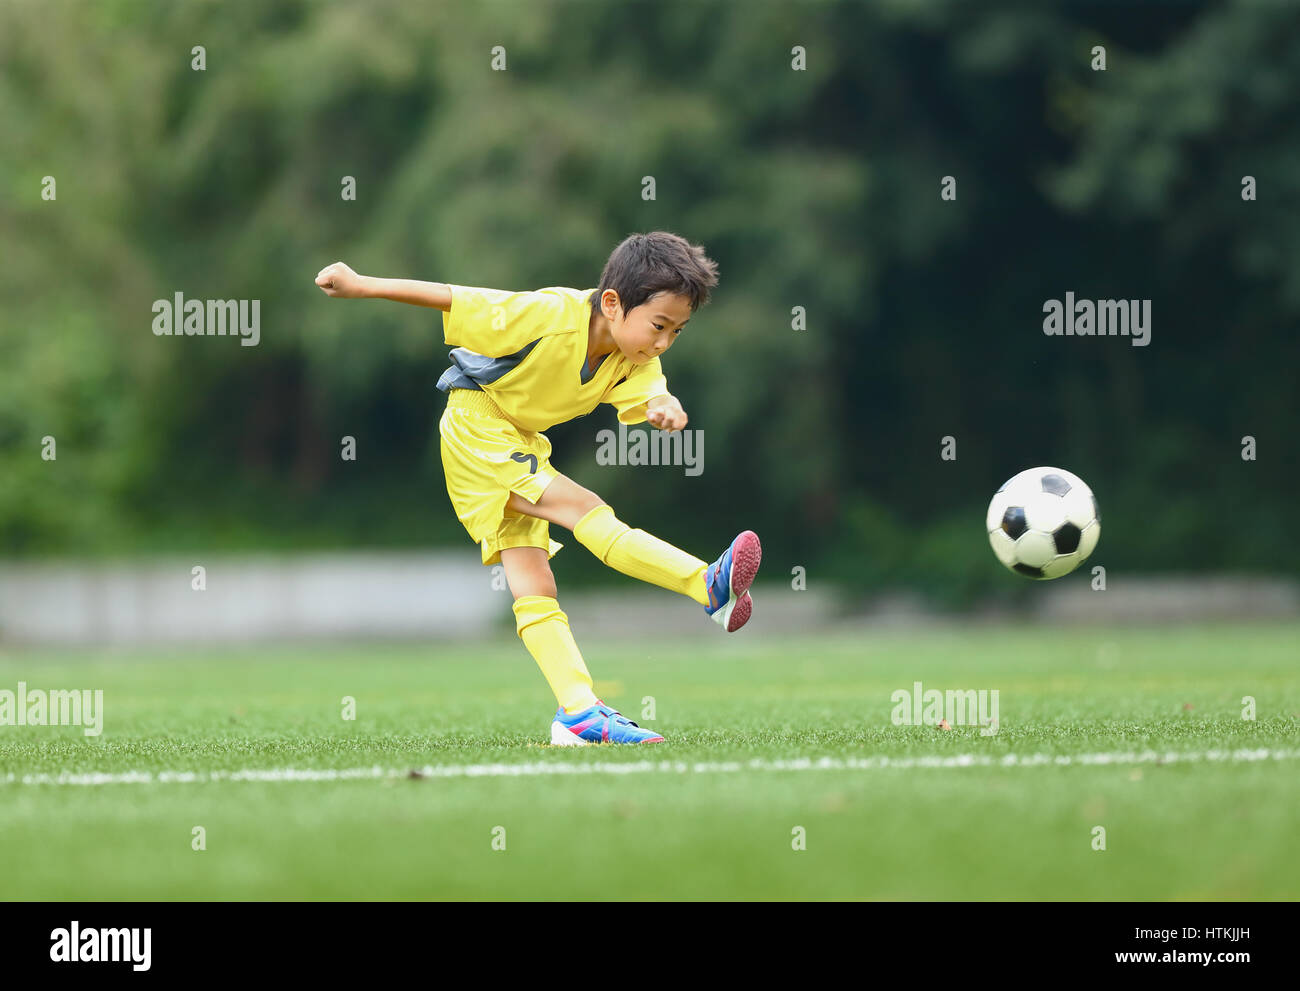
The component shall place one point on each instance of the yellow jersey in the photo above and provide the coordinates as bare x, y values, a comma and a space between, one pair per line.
528, 352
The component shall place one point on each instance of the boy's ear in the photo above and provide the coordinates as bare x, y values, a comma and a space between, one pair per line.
609, 298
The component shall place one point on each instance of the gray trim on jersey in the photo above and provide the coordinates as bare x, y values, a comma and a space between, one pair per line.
471, 370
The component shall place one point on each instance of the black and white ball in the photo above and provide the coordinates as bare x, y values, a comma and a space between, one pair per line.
1043, 523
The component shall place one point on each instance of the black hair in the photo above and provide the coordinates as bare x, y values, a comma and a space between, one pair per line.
646, 264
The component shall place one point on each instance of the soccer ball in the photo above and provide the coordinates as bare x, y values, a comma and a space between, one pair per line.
1043, 523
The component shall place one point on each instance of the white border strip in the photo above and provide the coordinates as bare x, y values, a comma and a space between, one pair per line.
544, 768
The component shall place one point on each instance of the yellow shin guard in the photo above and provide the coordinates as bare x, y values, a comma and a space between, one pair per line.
641, 555
545, 631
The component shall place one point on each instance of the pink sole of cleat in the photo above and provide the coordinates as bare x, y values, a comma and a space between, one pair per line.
746, 555
740, 615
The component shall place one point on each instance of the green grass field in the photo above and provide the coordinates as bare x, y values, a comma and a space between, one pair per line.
711, 814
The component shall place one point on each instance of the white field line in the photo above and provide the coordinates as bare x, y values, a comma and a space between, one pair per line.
544, 768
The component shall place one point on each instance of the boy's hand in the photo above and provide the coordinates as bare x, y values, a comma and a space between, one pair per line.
666, 413
339, 280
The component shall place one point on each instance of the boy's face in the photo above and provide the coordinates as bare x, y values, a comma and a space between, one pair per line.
648, 330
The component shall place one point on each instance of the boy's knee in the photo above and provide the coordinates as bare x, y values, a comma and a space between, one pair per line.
577, 503
537, 585
528, 572
586, 501
538, 579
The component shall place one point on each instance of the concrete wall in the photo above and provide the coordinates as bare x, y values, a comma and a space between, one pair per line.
444, 596
249, 599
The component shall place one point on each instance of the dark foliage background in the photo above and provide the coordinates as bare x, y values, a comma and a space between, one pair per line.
817, 188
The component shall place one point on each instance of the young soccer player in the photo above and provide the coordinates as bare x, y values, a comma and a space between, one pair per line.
525, 361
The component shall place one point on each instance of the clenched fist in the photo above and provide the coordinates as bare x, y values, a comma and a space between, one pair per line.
339, 280
666, 413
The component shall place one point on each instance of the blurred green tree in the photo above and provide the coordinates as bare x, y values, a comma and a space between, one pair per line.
816, 189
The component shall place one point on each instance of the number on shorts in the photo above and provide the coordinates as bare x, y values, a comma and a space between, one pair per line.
528, 459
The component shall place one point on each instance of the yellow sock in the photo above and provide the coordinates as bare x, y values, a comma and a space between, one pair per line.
545, 631
641, 555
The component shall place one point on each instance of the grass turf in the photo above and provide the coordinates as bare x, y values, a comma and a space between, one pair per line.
1206, 829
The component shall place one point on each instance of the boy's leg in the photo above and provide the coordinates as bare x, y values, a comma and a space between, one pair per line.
528, 572
633, 552
544, 629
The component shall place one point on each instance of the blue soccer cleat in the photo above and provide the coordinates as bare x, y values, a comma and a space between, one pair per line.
728, 580
598, 724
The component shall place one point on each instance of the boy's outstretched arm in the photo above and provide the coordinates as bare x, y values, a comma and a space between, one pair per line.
339, 280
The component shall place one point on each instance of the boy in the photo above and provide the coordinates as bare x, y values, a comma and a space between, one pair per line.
525, 361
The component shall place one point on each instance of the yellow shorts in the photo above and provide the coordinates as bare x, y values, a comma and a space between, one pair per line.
485, 457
